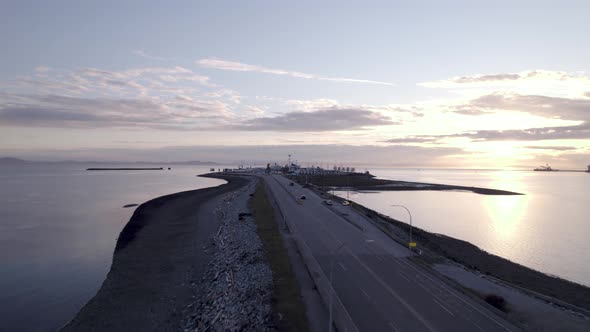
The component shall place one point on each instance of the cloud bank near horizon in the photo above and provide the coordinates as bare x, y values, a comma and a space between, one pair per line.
176, 99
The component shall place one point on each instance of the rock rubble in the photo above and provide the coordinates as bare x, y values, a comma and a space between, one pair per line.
235, 292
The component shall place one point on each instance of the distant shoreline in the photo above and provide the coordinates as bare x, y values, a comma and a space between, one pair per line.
367, 182
125, 169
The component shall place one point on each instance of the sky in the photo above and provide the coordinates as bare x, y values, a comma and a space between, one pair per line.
465, 84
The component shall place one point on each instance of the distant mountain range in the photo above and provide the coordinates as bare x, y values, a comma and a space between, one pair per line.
17, 161
11, 161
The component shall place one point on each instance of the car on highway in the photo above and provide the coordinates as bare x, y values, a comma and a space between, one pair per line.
291, 184
302, 197
346, 203
328, 202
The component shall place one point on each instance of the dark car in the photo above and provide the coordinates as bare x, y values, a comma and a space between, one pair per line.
302, 197
291, 184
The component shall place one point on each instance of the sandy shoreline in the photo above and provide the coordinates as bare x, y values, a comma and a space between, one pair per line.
154, 264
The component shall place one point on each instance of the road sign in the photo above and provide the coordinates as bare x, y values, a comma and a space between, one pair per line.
412, 244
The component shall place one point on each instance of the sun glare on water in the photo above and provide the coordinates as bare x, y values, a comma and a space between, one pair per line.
506, 211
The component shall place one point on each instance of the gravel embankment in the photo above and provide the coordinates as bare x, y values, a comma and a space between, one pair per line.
235, 291
160, 253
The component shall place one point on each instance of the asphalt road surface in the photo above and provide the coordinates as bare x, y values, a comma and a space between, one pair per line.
380, 288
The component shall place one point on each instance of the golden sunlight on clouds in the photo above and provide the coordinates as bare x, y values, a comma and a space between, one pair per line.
532, 82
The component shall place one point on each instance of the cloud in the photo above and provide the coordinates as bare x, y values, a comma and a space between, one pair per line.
581, 131
310, 105
413, 110
486, 78
257, 111
573, 109
143, 54
325, 103
243, 67
413, 139
83, 112
550, 147
122, 83
332, 119
502, 79
551, 107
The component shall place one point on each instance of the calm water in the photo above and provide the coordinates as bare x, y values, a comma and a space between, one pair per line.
58, 228
546, 229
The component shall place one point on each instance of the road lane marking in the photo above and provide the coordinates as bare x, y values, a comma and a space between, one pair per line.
342, 266
442, 306
429, 291
366, 295
406, 265
392, 326
441, 285
401, 274
392, 292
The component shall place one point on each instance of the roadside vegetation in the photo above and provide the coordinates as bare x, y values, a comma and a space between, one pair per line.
497, 301
288, 308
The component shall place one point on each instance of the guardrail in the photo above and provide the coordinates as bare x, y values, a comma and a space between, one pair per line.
543, 297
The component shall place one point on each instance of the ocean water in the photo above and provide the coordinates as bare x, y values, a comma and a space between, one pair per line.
58, 229
547, 228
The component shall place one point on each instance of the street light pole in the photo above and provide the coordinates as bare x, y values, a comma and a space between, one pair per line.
405, 208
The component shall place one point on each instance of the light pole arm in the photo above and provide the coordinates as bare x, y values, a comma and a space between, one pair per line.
410, 214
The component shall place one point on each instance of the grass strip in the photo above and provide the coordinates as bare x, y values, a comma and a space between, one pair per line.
287, 304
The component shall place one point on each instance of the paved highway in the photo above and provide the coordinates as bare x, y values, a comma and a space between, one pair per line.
380, 288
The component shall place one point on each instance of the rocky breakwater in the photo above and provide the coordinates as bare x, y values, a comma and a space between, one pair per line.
234, 293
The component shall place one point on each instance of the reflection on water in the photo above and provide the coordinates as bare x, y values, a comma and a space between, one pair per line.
506, 212
545, 229
58, 229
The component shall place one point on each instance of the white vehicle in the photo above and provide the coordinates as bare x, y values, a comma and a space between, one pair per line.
328, 202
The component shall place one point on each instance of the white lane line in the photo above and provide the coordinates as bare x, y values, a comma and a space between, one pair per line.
404, 276
366, 295
442, 306
369, 240
402, 263
392, 326
448, 290
429, 291
343, 267
474, 323
392, 292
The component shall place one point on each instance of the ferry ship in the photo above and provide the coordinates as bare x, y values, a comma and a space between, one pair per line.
545, 168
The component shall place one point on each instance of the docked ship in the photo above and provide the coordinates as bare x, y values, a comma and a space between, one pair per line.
545, 168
